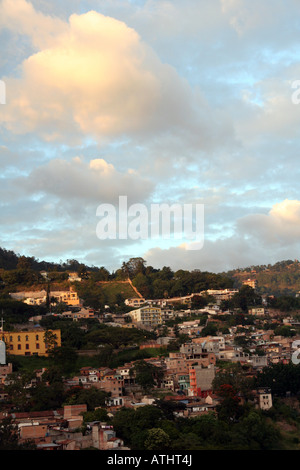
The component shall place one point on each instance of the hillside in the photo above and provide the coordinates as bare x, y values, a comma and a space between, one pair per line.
134, 278
105, 292
282, 278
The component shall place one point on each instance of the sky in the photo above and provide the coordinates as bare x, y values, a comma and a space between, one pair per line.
189, 102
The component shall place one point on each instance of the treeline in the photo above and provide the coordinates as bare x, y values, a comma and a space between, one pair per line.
10, 260
164, 282
281, 278
155, 428
96, 335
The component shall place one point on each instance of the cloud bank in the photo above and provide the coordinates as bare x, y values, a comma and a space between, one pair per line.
166, 102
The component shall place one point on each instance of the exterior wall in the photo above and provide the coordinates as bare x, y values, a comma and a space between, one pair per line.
114, 386
135, 302
257, 311
150, 316
33, 431
104, 437
71, 411
201, 379
250, 282
177, 364
83, 313
27, 343
68, 297
265, 399
220, 340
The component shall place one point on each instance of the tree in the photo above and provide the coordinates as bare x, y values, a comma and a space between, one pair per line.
100, 414
92, 397
229, 409
47, 396
124, 423
147, 375
199, 301
23, 263
50, 340
233, 376
209, 330
82, 271
18, 390
157, 439
133, 267
260, 434
245, 298
64, 357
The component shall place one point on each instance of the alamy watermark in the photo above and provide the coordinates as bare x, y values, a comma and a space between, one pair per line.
296, 94
296, 354
2, 92
178, 222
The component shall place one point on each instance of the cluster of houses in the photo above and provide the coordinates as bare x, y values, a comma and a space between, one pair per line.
68, 297
187, 381
186, 375
60, 429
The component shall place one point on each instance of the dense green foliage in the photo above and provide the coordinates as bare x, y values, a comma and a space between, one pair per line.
142, 428
282, 278
280, 378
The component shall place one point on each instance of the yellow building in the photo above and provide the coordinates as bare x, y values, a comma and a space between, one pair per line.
150, 316
28, 343
69, 297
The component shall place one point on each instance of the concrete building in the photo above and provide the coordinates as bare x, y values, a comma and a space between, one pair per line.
258, 311
201, 380
135, 302
28, 343
250, 282
148, 316
264, 398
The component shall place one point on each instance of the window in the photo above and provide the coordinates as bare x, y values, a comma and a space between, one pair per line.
19, 338
19, 346
27, 346
26, 338
37, 337
37, 346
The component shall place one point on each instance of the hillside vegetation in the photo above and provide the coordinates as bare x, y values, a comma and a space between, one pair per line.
281, 278
99, 287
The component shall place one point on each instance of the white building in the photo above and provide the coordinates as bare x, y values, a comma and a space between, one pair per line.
149, 316
264, 398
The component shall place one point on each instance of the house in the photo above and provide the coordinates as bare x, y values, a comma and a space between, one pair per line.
112, 384
104, 437
73, 277
264, 398
79, 314
258, 311
192, 351
250, 282
135, 302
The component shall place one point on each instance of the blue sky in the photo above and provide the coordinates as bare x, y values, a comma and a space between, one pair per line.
168, 102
